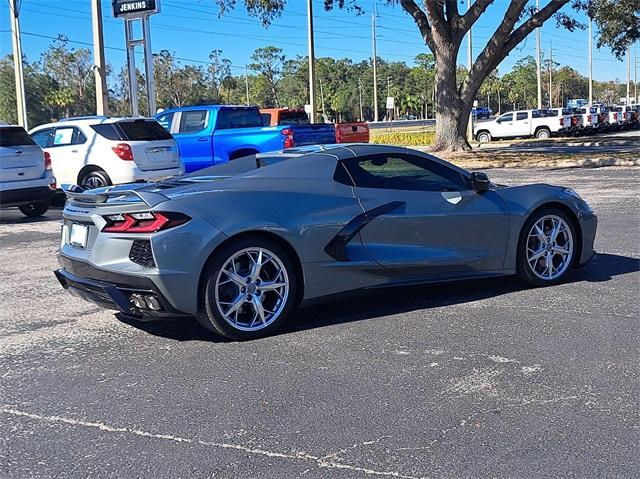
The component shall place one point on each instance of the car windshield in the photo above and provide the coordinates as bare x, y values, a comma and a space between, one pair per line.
14, 136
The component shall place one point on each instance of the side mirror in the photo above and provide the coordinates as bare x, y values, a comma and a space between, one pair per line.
480, 181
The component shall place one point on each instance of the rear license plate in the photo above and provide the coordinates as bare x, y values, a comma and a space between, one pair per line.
78, 235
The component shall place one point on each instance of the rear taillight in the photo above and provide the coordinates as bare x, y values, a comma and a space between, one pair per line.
574, 121
589, 118
561, 121
288, 141
47, 161
147, 222
123, 150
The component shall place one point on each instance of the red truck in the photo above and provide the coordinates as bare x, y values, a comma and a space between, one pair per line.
344, 132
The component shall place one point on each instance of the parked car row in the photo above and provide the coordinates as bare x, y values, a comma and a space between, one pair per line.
543, 124
97, 151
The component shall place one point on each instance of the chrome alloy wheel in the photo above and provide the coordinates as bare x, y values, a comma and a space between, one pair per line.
94, 182
251, 289
549, 247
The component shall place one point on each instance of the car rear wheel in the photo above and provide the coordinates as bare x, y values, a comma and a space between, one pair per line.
34, 209
547, 248
95, 179
248, 290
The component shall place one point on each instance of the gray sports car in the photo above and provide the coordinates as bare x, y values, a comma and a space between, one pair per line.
240, 245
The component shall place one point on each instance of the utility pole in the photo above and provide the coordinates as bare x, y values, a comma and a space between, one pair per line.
99, 70
538, 61
628, 75
16, 37
312, 62
322, 101
360, 95
246, 83
550, 67
590, 62
375, 70
388, 86
635, 77
469, 66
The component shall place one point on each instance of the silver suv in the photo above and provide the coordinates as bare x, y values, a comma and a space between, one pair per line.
26, 179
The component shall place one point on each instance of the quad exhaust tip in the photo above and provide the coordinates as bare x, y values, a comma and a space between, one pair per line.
144, 301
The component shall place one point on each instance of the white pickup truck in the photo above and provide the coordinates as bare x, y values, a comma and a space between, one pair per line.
590, 118
524, 123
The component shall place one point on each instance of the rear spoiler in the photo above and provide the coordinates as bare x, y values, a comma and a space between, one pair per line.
78, 194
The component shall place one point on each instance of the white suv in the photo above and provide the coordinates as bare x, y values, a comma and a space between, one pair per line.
100, 151
26, 180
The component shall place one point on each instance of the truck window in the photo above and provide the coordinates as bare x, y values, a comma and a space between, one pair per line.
193, 121
165, 120
293, 118
505, 117
522, 115
536, 114
266, 119
229, 118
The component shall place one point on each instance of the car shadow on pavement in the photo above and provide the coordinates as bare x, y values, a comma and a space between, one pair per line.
392, 301
14, 217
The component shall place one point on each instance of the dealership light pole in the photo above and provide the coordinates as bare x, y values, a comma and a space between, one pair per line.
246, 83
312, 62
550, 67
628, 75
590, 62
469, 66
375, 61
99, 70
538, 61
21, 104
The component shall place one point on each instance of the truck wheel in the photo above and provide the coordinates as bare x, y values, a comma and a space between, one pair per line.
543, 134
34, 209
484, 137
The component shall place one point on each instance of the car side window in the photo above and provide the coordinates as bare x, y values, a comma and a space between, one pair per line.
399, 172
192, 121
522, 115
506, 117
68, 136
43, 138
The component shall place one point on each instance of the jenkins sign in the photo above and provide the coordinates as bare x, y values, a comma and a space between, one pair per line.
135, 8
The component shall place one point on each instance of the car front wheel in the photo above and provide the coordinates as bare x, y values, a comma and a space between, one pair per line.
484, 137
547, 248
248, 289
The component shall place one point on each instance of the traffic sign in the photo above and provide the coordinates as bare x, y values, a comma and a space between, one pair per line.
390, 103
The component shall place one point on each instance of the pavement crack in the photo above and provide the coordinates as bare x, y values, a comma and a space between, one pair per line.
320, 462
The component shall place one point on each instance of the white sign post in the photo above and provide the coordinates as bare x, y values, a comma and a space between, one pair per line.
130, 11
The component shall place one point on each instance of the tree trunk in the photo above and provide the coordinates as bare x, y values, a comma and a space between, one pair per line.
452, 114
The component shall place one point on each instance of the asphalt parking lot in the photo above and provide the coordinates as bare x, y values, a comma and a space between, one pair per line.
463, 380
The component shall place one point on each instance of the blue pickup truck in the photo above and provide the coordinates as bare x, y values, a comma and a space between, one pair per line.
212, 134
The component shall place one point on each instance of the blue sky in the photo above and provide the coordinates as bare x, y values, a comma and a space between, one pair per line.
192, 28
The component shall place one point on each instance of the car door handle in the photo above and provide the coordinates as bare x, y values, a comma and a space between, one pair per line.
202, 139
18, 152
74, 151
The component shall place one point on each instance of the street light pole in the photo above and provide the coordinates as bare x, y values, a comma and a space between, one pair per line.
21, 104
590, 62
360, 95
628, 76
538, 61
312, 62
469, 66
550, 66
99, 67
246, 83
375, 70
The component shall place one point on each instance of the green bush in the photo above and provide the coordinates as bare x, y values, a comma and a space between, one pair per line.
404, 139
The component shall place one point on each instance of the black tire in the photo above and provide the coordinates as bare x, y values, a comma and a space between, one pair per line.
484, 137
94, 179
34, 210
209, 314
523, 268
543, 134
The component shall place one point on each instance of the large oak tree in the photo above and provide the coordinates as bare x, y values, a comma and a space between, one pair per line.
443, 25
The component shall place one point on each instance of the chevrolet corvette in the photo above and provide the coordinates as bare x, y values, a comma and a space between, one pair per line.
242, 244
